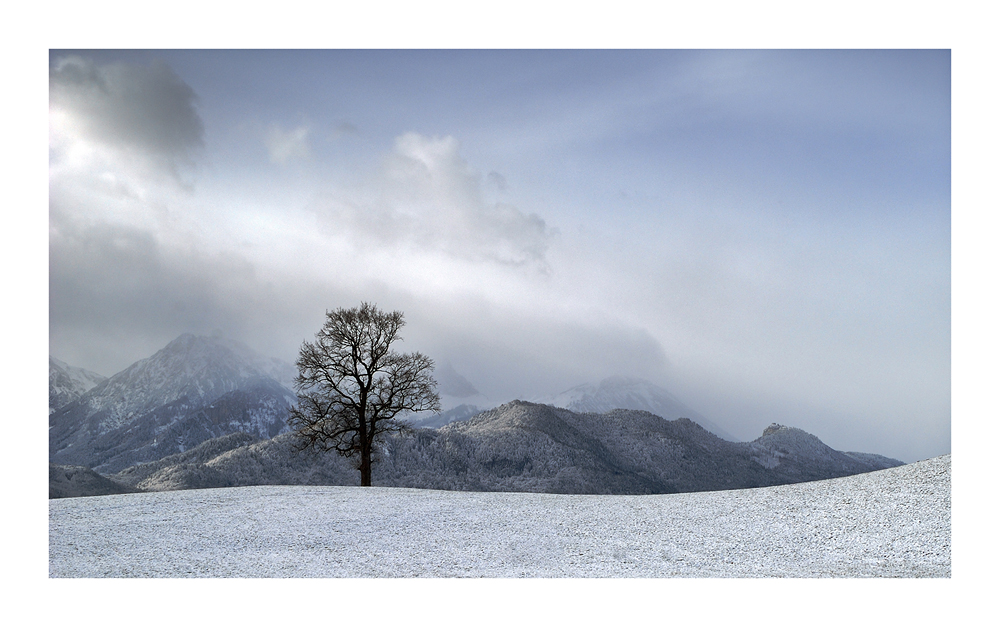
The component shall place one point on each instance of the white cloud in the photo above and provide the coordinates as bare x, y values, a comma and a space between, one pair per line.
283, 145
428, 198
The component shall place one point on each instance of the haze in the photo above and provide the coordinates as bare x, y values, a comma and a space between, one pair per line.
766, 234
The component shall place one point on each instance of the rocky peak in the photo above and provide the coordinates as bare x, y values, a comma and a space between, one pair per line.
774, 428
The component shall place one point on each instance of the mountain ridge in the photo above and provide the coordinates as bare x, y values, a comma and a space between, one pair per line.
209, 412
628, 392
167, 402
525, 447
68, 383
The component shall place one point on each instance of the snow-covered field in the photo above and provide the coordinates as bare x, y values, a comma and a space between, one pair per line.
890, 523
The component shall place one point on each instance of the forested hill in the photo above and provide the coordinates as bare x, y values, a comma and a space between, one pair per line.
526, 447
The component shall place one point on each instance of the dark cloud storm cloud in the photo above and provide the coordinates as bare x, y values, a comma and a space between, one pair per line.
142, 109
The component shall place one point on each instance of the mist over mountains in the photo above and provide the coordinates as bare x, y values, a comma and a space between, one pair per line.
194, 389
630, 393
617, 392
208, 412
68, 383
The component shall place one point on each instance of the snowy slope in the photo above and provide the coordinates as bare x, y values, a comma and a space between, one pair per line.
74, 481
630, 393
193, 389
68, 383
890, 523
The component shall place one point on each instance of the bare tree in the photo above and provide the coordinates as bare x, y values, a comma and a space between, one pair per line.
352, 387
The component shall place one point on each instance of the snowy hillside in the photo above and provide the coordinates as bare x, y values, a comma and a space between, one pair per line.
73, 481
68, 383
194, 389
630, 393
523, 447
890, 523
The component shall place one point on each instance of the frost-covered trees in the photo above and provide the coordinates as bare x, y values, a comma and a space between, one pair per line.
351, 386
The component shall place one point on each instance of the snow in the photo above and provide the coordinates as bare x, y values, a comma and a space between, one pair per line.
890, 523
67, 383
78, 378
200, 369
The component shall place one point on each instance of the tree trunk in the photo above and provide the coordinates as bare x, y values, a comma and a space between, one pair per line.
366, 466
366, 447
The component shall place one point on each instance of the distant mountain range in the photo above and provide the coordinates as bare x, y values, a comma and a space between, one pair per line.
208, 412
630, 393
70, 481
194, 389
523, 447
611, 393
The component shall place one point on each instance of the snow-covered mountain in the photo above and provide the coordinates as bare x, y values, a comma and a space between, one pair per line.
524, 447
630, 393
795, 451
194, 389
68, 383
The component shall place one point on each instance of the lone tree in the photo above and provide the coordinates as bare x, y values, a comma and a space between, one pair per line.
352, 387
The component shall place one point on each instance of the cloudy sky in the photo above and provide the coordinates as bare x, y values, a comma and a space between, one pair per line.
764, 233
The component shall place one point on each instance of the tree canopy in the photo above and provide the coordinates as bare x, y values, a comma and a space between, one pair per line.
352, 387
